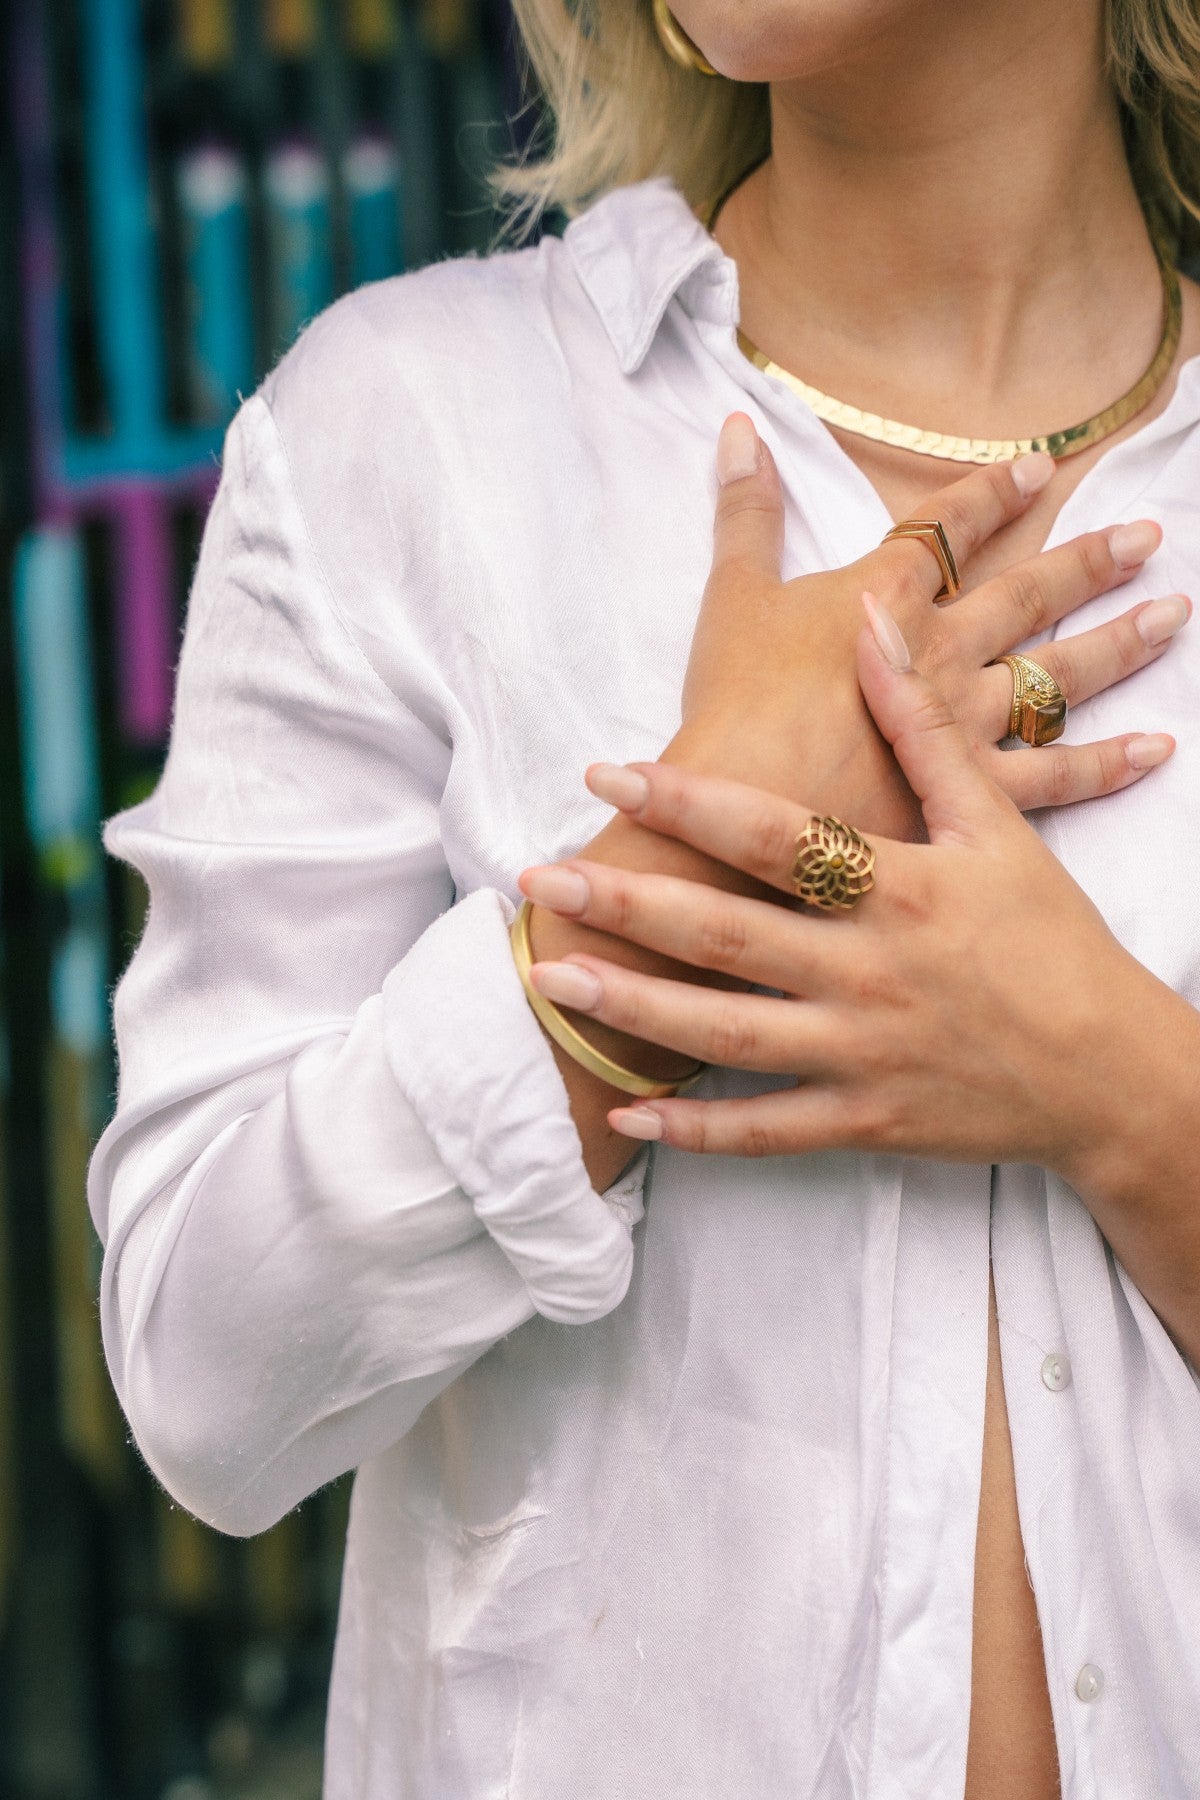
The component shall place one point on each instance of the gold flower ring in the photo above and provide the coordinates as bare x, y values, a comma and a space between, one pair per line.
834, 865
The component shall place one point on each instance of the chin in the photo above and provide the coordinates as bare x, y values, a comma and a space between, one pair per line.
786, 40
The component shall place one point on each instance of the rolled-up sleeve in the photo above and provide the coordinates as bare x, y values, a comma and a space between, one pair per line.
342, 1162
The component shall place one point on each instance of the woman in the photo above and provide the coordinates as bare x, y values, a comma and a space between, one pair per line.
753, 1489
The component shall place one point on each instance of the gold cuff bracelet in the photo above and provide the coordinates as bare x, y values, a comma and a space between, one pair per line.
572, 1041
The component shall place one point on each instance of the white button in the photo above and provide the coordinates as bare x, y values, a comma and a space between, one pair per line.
1089, 1682
1056, 1371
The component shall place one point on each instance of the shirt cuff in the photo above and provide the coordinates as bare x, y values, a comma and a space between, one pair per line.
471, 1059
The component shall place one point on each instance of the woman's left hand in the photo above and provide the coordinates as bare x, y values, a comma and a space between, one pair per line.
973, 1006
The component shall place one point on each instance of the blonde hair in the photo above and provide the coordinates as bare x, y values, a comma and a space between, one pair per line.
619, 110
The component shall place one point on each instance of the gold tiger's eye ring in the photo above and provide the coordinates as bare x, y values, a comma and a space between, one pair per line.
834, 865
1039, 706
933, 534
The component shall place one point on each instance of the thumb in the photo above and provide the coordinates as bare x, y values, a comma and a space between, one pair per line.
748, 528
961, 805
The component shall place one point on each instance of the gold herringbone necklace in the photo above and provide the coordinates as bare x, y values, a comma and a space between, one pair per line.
983, 450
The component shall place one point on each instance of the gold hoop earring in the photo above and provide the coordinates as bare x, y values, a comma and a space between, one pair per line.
676, 42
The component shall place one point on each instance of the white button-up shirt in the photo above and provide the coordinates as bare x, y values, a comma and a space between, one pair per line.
667, 1493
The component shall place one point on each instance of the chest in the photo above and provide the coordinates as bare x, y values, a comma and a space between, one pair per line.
577, 646
904, 482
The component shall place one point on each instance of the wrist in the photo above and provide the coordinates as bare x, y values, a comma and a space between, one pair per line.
830, 757
1135, 1164
553, 937
1117, 1154
625, 844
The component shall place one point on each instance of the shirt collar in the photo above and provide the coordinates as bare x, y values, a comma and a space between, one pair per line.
634, 250
640, 246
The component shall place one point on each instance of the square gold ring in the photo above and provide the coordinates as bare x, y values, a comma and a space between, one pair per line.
933, 533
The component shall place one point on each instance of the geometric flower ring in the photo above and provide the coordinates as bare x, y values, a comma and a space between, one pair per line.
834, 865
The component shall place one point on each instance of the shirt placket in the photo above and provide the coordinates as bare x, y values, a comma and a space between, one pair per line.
925, 1578
931, 1491
1054, 1494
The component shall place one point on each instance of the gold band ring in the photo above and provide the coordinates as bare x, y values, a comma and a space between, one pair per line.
932, 533
834, 865
1039, 706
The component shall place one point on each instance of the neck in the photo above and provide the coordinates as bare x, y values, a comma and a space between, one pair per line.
959, 245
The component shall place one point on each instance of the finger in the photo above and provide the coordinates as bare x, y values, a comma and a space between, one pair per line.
959, 802
753, 940
971, 509
1092, 661
730, 1030
1036, 594
788, 1122
1061, 774
744, 827
748, 524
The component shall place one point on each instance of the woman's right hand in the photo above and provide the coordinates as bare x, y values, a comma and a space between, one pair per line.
771, 698
770, 694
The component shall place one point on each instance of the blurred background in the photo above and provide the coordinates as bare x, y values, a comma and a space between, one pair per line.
183, 183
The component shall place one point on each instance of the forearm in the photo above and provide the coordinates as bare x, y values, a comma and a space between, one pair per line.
1139, 1171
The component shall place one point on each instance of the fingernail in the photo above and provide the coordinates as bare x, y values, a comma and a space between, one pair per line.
887, 633
739, 451
636, 1122
562, 890
1032, 473
618, 786
567, 985
1163, 618
1148, 751
1132, 544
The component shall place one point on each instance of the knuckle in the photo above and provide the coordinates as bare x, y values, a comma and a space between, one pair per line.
747, 498
882, 1122
1129, 651
1062, 665
1027, 599
931, 712
1113, 767
732, 1039
758, 1141
720, 939
912, 902
739, 567
878, 985
747, 504
867, 1119
696, 1132
939, 650
625, 1008
667, 803
621, 909
771, 842
1096, 559
907, 567
1059, 776
1014, 777
961, 518
1008, 496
